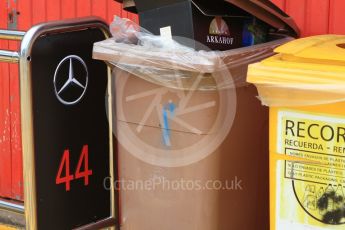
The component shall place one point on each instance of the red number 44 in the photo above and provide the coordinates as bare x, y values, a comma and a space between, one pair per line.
81, 172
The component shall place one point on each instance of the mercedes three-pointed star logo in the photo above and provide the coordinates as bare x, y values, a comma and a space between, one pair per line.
71, 81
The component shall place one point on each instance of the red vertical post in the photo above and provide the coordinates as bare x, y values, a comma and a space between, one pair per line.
317, 17
83, 8
25, 17
99, 8
5, 119
53, 10
337, 17
114, 8
68, 9
16, 142
38, 11
14, 99
297, 10
124, 14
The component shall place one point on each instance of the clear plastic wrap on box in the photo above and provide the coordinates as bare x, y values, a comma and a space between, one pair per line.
162, 60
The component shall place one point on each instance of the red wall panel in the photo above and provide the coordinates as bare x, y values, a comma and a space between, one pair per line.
15, 129
296, 9
315, 17
337, 17
54, 10
114, 8
38, 11
5, 120
16, 142
25, 14
71, 6
98, 8
83, 8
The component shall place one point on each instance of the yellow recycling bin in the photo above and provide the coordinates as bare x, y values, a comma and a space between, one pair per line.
304, 85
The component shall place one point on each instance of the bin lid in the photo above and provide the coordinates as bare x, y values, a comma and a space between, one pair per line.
325, 47
306, 71
268, 12
265, 10
216, 7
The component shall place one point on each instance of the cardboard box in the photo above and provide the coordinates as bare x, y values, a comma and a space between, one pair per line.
241, 158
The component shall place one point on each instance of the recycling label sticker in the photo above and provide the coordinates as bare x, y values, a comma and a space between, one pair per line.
315, 175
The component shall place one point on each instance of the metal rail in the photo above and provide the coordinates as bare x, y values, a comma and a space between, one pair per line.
12, 35
9, 56
12, 207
